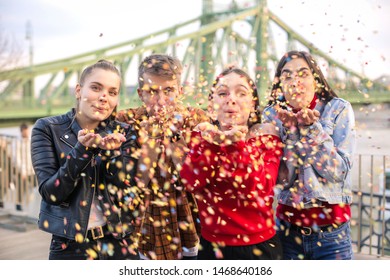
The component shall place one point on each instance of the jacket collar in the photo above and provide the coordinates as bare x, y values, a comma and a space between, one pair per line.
69, 134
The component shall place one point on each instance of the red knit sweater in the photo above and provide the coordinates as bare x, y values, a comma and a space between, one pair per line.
234, 185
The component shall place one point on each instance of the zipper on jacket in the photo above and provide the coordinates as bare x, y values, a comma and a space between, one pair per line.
93, 193
93, 164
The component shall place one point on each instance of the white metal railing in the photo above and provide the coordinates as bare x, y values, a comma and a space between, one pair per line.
17, 178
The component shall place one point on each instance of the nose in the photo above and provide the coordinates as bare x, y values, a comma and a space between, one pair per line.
161, 98
103, 96
296, 81
231, 99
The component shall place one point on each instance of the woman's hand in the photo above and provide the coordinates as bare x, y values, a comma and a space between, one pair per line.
303, 118
288, 118
209, 132
88, 138
263, 129
212, 134
235, 133
307, 117
112, 141
91, 139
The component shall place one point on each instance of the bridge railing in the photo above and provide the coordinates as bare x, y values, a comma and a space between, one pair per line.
371, 204
17, 178
370, 219
206, 44
371, 225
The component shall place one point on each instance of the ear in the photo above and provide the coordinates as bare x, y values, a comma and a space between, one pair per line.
78, 91
139, 91
181, 90
315, 85
211, 111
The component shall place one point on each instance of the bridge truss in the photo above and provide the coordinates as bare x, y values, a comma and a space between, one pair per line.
205, 44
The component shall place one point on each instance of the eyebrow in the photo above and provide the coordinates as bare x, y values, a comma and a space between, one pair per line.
299, 70
99, 84
225, 86
154, 87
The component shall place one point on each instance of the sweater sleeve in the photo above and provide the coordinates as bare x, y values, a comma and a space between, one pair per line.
200, 163
271, 149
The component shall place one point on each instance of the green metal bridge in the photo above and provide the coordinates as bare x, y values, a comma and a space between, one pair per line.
206, 45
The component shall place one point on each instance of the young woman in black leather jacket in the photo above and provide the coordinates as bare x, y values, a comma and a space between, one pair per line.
85, 168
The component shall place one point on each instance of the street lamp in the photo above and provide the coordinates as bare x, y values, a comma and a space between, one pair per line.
28, 88
29, 38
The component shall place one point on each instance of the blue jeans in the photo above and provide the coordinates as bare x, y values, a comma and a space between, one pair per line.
320, 245
270, 249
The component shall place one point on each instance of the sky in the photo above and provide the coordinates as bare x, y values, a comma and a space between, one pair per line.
354, 32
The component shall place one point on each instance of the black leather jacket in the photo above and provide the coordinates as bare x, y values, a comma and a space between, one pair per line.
69, 175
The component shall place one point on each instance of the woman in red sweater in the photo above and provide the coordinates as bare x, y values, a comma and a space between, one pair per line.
231, 168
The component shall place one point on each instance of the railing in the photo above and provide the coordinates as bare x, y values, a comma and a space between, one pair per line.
371, 205
17, 178
370, 208
244, 37
372, 224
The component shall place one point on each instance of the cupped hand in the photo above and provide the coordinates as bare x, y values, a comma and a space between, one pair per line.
212, 134
307, 116
288, 118
88, 138
236, 133
112, 141
209, 132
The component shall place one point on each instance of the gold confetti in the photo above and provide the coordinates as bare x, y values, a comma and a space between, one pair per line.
79, 238
257, 252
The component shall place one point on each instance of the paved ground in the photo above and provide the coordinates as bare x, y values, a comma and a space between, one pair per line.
33, 244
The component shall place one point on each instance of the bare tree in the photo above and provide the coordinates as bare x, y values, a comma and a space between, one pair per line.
11, 53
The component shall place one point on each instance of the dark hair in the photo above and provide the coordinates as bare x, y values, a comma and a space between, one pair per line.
324, 92
162, 65
101, 64
23, 126
253, 118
